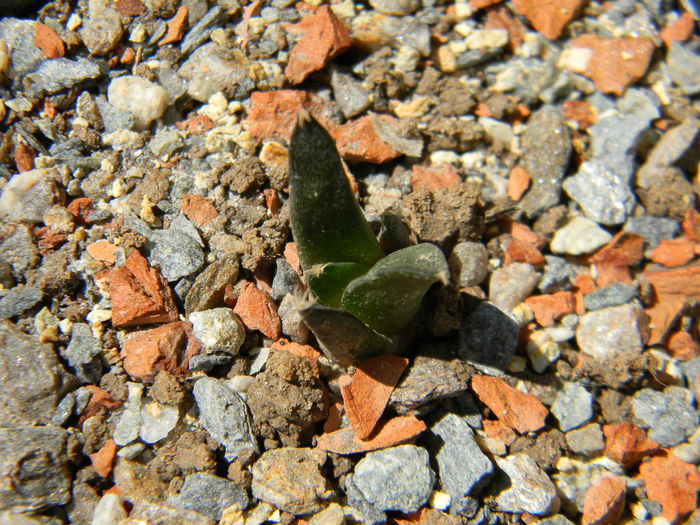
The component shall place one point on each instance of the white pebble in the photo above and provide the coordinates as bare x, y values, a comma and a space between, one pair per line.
145, 100
579, 236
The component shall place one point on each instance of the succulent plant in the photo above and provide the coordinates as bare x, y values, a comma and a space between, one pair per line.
359, 301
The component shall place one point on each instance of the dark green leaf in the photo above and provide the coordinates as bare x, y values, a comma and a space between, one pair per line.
327, 281
388, 296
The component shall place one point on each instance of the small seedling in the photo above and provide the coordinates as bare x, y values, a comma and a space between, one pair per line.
360, 301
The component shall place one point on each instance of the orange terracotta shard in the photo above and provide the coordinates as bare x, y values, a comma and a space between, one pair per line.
627, 444
678, 283
258, 311
198, 209
140, 294
324, 38
103, 459
359, 140
663, 315
680, 30
434, 177
550, 307
49, 42
518, 410
176, 27
549, 17
518, 183
604, 501
520, 251
367, 392
102, 250
674, 252
673, 483
387, 434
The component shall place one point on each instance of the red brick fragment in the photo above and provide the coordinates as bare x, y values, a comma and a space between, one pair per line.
324, 38
103, 459
518, 183
360, 141
168, 347
367, 392
48, 41
663, 315
582, 285
674, 252
24, 157
691, 225
679, 283
130, 7
614, 63
198, 209
518, 410
496, 429
140, 294
605, 501
672, 483
387, 434
292, 257
480, 4
102, 250
258, 311
99, 401
176, 27
522, 232
627, 444
272, 202
550, 307
334, 419
520, 251
614, 259
549, 17
49, 239
434, 177
80, 208
581, 112
682, 346
680, 30
196, 125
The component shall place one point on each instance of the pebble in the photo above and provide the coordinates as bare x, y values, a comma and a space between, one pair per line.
64, 410
558, 274
395, 7
145, 100
653, 229
351, 97
463, 469
529, 489
291, 480
683, 67
109, 510
397, 478
113, 119
669, 415
488, 337
510, 285
573, 406
219, 330
587, 440
607, 333
39, 459
292, 322
128, 422
19, 36
225, 416
542, 352
334, 514
18, 300
207, 362
209, 495
102, 31
579, 236
83, 354
157, 421
469, 263
602, 192
212, 68
178, 250
202, 30
207, 291
285, 281
27, 196
546, 146
58, 74
615, 294
690, 451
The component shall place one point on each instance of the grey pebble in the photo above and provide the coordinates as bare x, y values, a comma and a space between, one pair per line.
587, 440
510, 285
207, 291
488, 337
32, 380
19, 250
285, 281
604, 334
463, 469
395, 7
292, 323
573, 406
102, 31
351, 97
603, 194
64, 410
291, 480
178, 250
212, 68
653, 229
19, 36
469, 263
528, 488
669, 415
557, 519
615, 294
219, 330
407, 31
684, 68
579, 236
59, 74
36, 461
113, 118
83, 354
558, 274
546, 146
128, 420
201, 31
207, 362
209, 495
397, 478
225, 416
18, 300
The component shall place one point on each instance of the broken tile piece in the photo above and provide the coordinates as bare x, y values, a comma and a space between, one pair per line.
140, 294
367, 391
518, 183
258, 311
176, 27
48, 41
627, 444
550, 307
387, 434
324, 38
678, 283
674, 252
366, 140
198, 209
434, 177
103, 251
673, 483
103, 459
549, 17
612, 63
605, 501
518, 410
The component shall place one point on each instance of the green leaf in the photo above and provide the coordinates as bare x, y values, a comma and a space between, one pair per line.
327, 222
388, 296
342, 337
327, 281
